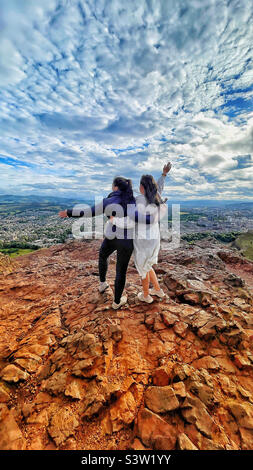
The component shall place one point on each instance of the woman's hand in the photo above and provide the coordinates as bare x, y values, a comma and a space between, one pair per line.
167, 168
63, 214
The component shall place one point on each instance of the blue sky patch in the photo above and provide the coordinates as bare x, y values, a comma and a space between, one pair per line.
91, 90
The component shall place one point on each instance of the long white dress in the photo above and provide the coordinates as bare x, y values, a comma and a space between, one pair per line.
147, 237
146, 241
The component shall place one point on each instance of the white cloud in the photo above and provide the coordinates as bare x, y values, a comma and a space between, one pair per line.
81, 80
12, 66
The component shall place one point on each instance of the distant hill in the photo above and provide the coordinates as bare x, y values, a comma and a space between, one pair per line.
245, 243
14, 199
37, 200
213, 203
241, 205
13, 205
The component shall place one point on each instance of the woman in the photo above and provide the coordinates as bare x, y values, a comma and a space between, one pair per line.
122, 195
147, 238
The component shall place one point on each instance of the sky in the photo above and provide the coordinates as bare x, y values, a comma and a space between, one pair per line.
90, 90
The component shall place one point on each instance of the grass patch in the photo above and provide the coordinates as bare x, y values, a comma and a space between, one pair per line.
13, 252
245, 243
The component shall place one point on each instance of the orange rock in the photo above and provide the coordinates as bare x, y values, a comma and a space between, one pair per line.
137, 445
11, 437
242, 362
161, 376
206, 362
242, 412
76, 388
80, 372
37, 444
11, 373
179, 388
184, 443
4, 393
246, 438
120, 413
169, 319
180, 328
154, 431
194, 411
161, 399
62, 425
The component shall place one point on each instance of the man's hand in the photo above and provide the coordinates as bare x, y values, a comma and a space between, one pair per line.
166, 168
63, 214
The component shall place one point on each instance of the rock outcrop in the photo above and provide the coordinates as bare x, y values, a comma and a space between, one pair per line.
174, 374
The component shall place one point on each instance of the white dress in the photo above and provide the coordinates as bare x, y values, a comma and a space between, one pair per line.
146, 241
147, 237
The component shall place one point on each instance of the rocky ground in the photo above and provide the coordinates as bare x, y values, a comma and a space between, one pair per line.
175, 374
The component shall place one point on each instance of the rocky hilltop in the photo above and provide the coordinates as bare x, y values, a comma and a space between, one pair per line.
175, 374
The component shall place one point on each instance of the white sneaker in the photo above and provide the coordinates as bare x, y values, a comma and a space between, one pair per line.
147, 299
159, 293
123, 301
103, 286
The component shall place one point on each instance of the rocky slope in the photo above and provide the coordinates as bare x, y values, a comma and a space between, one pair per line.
175, 374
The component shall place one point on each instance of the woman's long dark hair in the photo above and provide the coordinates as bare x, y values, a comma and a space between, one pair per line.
151, 190
126, 188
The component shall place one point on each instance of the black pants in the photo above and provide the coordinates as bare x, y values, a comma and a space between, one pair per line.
124, 249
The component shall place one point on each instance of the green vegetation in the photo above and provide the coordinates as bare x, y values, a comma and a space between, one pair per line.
244, 242
186, 216
223, 237
62, 237
17, 252
226, 237
17, 248
17, 244
23, 246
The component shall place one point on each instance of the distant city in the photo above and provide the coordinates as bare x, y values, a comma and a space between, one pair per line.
28, 223
225, 218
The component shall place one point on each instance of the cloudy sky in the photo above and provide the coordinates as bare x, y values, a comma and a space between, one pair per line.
91, 89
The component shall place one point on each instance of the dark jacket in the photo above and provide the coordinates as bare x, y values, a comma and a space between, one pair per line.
106, 207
